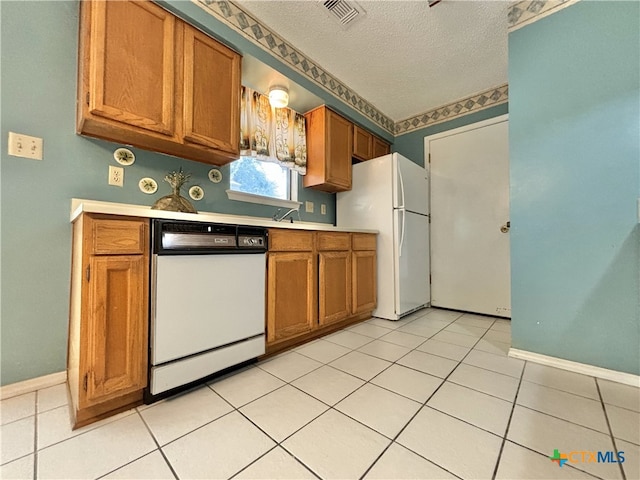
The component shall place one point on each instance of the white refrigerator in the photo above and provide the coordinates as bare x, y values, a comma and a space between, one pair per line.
391, 194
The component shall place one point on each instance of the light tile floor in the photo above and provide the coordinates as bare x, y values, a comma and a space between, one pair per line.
432, 396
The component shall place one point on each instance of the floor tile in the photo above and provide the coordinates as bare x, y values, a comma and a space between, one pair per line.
380, 409
323, 351
150, 467
416, 328
476, 320
181, 414
448, 315
336, 447
348, 339
519, 463
620, 395
17, 439
381, 322
289, 366
502, 325
369, 330
328, 384
456, 338
625, 424
403, 339
631, 464
84, 456
567, 406
20, 469
277, 464
361, 365
384, 350
496, 363
218, 450
246, 386
482, 410
283, 411
400, 463
561, 380
15, 408
442, 349
491, 346
498, 336
408, 382
496, 384
445, 441
55, 425
466, 330
544, 434
427, 363
432, 321
52, 397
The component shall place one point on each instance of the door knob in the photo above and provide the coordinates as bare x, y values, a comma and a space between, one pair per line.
505, 228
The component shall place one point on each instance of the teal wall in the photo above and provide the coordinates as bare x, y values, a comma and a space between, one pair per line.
574, 123
411, 145
38, 77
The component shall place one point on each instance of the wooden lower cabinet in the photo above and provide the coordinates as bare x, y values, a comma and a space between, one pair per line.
108, 325
291, 295
317, 288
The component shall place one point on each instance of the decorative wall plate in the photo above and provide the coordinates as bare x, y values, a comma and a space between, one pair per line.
215, 175
148, 185
196, 192
124, 156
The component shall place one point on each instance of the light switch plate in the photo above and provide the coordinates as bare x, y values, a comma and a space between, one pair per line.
308, 206
25, 146
323, 209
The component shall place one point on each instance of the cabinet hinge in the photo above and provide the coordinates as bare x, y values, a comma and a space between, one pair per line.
88, 272
85, 381
87, 98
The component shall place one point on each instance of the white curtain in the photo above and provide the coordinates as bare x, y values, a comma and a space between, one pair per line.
272, 134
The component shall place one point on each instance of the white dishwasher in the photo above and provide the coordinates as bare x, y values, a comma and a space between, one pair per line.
207, 301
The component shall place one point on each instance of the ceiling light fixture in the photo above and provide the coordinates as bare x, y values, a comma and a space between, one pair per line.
278, 96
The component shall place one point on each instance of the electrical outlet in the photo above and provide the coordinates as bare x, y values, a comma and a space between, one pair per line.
21, 145
116, 176
323, 209
308, 207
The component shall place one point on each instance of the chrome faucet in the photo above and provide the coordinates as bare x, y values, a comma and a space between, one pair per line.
287, 213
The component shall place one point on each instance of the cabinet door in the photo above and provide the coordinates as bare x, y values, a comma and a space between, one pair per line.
334, 285
291, 295
380, 148
132, 64
211, 101
362, 143
115, 340
364, 281
339, 138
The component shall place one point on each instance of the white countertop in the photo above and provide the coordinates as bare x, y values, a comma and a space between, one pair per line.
79, 206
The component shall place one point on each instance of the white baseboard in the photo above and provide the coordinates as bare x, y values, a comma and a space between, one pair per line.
32, 385
583, 368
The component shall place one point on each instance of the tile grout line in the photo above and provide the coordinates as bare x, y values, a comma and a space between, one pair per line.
613, 439
506, 431
157, 445
35, 438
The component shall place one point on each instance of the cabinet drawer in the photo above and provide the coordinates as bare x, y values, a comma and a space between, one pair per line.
117, 236
364, 241
282, 240
333, 241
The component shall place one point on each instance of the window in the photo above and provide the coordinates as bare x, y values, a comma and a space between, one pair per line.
265, 179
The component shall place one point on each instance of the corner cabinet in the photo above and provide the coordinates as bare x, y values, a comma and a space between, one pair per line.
108, 325
329, 151
317, 282
148, 79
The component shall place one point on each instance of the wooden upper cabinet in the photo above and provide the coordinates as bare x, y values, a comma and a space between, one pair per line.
132, 62
329, 151
380, 147
362, 144
211, 93
148, 79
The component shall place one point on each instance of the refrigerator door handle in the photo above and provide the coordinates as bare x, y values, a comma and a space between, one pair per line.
401, 186
404, 217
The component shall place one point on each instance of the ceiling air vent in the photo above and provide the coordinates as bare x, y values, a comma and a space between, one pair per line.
346, 12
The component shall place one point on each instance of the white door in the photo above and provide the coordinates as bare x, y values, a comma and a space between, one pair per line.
469, 173
412, 257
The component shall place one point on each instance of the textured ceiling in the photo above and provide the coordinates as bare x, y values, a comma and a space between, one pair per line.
402, 56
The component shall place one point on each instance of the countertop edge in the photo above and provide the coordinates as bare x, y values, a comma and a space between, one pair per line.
80, 206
